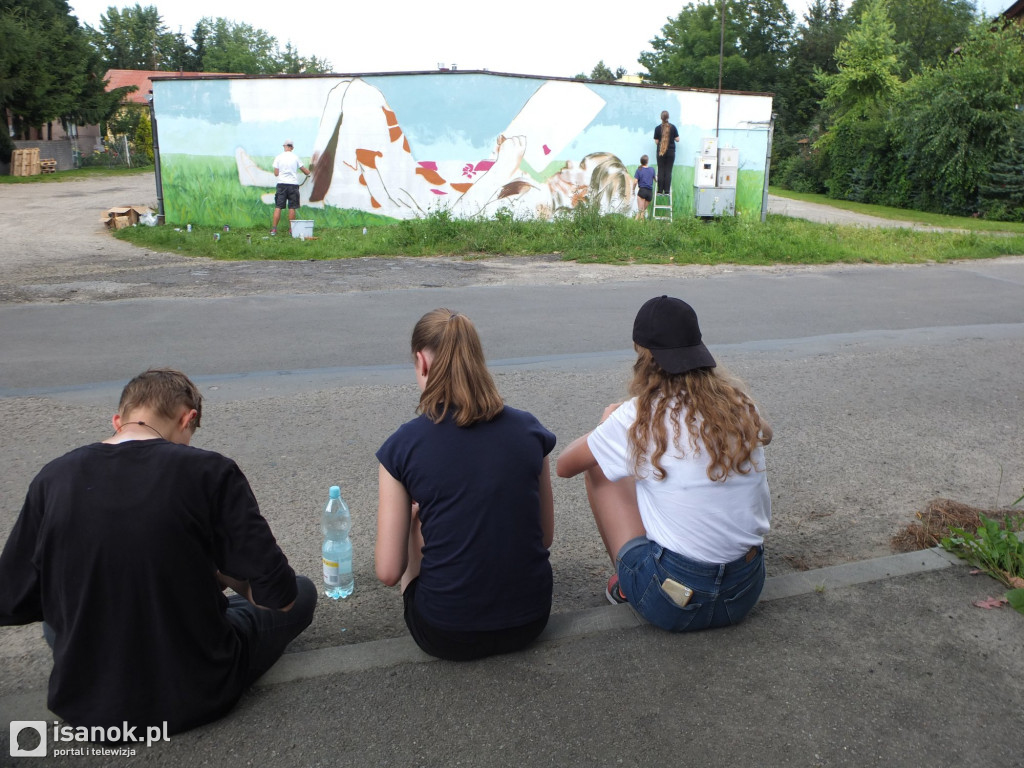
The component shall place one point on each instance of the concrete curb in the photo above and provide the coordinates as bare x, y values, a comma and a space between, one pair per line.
377, 654
402, 650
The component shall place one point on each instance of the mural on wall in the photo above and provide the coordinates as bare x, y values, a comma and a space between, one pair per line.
403, 146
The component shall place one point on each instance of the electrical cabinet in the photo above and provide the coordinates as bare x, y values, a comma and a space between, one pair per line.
714, 201
704, 171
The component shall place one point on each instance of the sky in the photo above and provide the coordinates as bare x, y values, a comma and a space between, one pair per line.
532, 37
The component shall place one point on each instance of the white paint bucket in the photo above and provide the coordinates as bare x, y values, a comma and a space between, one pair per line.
302, 228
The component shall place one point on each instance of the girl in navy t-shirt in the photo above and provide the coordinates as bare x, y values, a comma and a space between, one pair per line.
465, 514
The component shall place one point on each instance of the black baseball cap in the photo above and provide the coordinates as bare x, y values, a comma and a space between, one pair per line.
668, 328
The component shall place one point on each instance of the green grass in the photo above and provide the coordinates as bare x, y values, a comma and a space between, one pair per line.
586, 237
904, 214
205, 191
77, 173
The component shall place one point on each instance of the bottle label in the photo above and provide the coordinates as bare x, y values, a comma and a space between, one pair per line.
331, 578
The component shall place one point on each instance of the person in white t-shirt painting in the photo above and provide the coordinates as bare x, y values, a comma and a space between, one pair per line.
286, 168
677, 482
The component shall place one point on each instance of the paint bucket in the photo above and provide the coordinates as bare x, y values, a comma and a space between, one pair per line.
302, 228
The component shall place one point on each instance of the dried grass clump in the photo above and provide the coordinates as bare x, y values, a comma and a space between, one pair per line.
934, 522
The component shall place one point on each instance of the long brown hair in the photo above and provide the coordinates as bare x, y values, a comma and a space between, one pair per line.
717, 411
665, 133
458, 380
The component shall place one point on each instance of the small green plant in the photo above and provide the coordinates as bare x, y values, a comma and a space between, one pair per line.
996, 550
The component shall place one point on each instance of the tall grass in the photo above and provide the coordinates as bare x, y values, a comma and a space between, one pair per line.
586, 236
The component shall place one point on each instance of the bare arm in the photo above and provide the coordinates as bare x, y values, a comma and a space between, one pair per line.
576, 458
394, 518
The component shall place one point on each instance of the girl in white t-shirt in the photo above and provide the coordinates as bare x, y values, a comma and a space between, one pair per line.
676, 480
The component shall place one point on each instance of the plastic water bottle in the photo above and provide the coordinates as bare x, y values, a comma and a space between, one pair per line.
337, 549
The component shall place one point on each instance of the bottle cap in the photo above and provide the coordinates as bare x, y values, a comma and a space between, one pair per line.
335, 492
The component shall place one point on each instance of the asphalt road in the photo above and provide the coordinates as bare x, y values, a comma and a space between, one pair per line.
886, 386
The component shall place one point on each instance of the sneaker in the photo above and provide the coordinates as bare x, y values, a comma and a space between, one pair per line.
273, 231
612, 591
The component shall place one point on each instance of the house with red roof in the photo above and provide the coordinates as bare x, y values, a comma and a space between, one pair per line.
82, 140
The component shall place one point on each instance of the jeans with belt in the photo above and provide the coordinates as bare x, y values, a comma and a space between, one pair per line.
723, 594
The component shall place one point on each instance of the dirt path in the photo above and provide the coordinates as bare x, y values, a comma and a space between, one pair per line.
826, 214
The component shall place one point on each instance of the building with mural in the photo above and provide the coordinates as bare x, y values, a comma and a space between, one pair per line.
389, 147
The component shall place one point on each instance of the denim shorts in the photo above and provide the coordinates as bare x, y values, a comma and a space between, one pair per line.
722, 594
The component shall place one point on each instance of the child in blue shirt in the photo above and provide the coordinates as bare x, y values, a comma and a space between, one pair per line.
644, 176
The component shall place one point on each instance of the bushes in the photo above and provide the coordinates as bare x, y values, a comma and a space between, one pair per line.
949, 140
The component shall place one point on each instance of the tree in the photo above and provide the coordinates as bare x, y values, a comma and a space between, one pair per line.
957, 121
857, 101
196, 57
291, 63
687, 52
927, 31
48, 69
754, 54
823, 28
134, 38
238, 47
867, 63
1002, 189
601, 72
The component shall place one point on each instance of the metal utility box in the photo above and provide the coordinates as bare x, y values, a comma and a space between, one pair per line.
728, 167
714, 201
709, 146
726, 177
704, 169
729, 156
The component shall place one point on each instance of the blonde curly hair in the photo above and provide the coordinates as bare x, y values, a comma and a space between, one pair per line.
714, 406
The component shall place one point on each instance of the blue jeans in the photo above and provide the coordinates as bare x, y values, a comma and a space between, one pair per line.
722, 594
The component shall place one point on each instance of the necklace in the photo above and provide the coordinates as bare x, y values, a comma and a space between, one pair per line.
141, 424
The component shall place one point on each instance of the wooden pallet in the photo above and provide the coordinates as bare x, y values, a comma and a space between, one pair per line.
48, 165
25, 162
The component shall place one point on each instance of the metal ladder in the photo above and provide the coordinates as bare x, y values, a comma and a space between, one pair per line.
662, 210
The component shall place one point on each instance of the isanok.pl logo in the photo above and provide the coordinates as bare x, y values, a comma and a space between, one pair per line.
24, 737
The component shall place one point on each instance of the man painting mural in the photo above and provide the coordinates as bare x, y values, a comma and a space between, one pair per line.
286, 168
